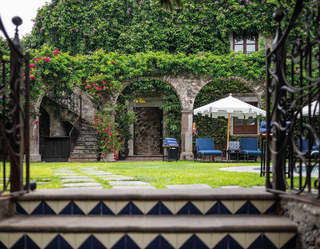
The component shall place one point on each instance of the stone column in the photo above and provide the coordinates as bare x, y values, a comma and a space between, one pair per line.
186, 135
34, 139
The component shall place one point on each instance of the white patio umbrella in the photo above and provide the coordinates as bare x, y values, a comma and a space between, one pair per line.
229, 107
315, 109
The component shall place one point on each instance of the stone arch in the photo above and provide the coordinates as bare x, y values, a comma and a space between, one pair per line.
257, 89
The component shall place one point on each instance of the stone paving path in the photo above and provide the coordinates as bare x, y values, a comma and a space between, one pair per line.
72, 179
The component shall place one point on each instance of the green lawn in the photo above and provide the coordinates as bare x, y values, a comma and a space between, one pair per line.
157, 173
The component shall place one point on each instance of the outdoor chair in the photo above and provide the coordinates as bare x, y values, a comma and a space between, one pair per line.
249, 147
205, 147
233, 150
305, 148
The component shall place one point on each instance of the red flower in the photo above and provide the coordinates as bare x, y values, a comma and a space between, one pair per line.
32, 65
112, 62
32, 77
36, 59
88, 86
36, 122
47, 59
57, 51
102, 154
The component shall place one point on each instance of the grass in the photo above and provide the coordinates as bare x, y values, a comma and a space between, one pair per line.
157, 173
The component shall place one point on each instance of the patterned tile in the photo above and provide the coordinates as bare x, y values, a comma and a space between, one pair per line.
13, 238
43, 209
264, 206
125, 242
42, 239
92, 243
248, 208
20, 209
4, 239
86, 206
194, 243
130, 209
228, 242
218, 208
262, 242
28, 206
203, 206
59, 242
71, 209
159, 209
101, 209
288, 240
145, 206
159, 243
174, 206
25, 242
57, 206
75, 239
189, 209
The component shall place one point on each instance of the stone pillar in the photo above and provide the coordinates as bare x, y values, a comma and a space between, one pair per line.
34, 139
186, 135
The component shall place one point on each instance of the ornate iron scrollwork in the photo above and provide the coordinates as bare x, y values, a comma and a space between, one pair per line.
293, 99
14, 113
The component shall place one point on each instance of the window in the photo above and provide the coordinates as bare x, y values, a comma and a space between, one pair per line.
244, 43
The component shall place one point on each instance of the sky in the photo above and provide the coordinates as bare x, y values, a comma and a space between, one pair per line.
26, 9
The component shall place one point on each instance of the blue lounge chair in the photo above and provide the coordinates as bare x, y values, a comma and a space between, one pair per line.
205, 147
249, 147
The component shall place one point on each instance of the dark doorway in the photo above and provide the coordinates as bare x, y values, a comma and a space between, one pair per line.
148, 131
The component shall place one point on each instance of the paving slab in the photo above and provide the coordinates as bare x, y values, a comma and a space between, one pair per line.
78, 180
72, 177
189, 186
97, 173
119, 178
66, 174
233, 186
126, 183
81, 185
134, 187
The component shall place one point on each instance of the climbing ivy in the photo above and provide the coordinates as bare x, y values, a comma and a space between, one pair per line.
143, 25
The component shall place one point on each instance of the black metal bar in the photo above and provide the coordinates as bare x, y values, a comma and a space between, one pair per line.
27, 121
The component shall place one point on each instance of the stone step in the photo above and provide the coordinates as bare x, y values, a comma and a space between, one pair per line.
173, 202
142, 232
83, 156
82, 150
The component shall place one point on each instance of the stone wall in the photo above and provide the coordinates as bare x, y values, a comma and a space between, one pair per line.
7, 207
307, 217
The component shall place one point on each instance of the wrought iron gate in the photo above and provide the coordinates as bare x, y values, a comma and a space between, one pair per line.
293, 99
14, 115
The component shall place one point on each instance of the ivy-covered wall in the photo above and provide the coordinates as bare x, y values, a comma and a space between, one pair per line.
131, 26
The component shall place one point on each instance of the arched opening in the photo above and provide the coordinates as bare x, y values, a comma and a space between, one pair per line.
157, 112
216, 127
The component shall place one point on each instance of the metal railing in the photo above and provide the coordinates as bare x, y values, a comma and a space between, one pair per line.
14, 115
293, 98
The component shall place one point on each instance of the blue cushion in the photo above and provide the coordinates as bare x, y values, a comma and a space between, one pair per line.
210, 152
170, 142
248, 143
204, 143
251, 152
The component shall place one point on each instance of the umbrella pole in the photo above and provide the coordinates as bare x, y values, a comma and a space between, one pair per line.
228, 130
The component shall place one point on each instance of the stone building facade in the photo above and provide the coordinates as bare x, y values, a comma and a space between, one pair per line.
186, 86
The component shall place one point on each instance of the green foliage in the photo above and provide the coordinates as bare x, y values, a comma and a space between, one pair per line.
62, 72
141, 26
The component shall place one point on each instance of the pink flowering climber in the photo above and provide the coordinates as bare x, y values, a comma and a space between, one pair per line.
47, 59
32, 65
57, 51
